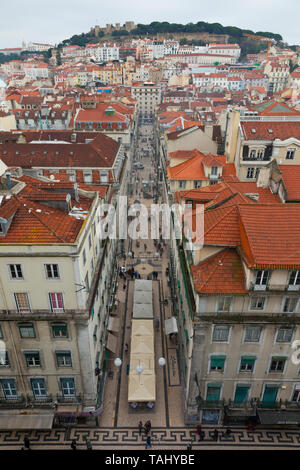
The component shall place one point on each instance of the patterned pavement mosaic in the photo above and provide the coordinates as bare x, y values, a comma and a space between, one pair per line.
162, 439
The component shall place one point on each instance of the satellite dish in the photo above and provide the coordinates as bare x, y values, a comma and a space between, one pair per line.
68, 198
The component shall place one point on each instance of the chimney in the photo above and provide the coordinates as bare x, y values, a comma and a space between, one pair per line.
76, 192
8, 180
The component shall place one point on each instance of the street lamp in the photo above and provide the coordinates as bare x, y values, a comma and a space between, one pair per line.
162, 361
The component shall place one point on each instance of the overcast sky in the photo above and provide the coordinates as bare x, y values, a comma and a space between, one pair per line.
54, 20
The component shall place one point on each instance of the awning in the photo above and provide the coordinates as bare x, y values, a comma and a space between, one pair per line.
142, 297
141, 388
279, 416
142, 311
113, 324
111, 343
26, 421
142, 284
171, 326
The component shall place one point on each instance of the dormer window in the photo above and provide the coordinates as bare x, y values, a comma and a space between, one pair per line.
261, 280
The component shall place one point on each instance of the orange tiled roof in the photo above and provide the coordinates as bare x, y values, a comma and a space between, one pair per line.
291, 179
270, 235
35, 223
220, 274
281, 130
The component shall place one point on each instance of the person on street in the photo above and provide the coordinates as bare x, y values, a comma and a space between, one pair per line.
215, 435
73, 445
126, 347
26, 443
88, 445
228, 433
148, 442
140, 427
198, 430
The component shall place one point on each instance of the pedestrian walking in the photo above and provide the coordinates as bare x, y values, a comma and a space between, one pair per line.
148, 426
198, 430
228, 433
145, 247
126, 347
88, 445
148, 442
124, 286
73, 445
140, 427
26, 443
215, 435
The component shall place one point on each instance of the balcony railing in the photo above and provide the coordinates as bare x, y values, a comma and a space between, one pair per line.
12, 403
257, 160
68, 399
40, 399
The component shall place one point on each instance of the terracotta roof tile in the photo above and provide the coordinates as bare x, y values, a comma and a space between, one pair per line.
220, 274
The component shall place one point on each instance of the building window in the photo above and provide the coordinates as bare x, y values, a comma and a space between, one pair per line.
15, 271
38, 388
182, 184
294, 279
284, 335
257, 303
253, 154
277, 364
59, 330
4, 360
214, 171
296, 393
197, 184
221, 333
63, 358
241, 393
56, 301
9, 388
217, 363
84, 257
261, 278
32, 358
252, 334
290, 154
26, 330
260, 154
290, 304
247, 363
90, 242
250, 173
52, 271
224, 304
1, 332
87, 177
213, 392
67, 386
22, 302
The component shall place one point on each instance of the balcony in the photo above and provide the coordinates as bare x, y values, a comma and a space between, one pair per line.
40, 402
260, 287
12, 403
212, 403
257, 160
68, 399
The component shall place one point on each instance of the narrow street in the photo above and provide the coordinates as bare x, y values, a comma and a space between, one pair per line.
118, 423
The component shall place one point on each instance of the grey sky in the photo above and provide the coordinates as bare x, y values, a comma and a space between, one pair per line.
54, 20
